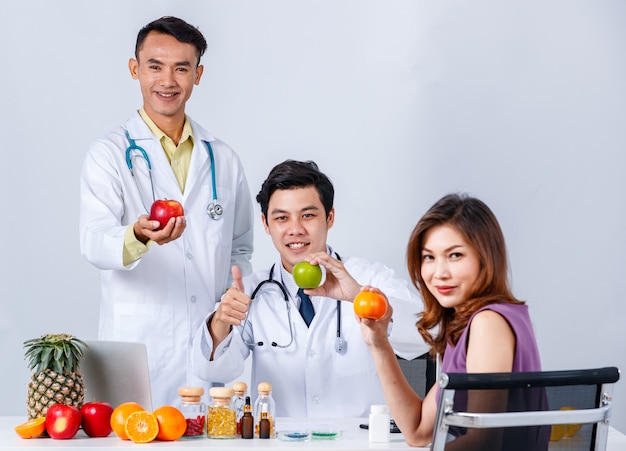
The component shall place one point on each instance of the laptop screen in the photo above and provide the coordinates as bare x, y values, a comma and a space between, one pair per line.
116, 372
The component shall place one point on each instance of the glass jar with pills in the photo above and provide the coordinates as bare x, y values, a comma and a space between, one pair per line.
222, 418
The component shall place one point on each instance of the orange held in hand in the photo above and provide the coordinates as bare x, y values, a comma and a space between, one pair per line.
369, 304
32, 428
119, 416
172, 423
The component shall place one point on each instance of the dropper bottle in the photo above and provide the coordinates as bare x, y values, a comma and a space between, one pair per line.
247, 420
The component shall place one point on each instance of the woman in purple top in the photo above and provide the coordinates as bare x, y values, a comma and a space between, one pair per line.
457, 259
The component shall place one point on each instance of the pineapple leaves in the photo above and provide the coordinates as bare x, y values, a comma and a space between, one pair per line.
58, 352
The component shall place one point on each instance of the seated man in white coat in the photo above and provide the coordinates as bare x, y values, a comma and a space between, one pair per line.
323, 369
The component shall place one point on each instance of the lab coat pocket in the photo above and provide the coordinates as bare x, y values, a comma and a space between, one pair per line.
149, 324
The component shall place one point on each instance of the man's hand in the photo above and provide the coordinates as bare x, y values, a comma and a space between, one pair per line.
145, 229
231, 311
339, 284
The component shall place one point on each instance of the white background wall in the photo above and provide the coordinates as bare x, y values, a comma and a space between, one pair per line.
520, 103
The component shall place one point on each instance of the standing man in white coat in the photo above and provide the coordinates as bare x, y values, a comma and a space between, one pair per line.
323, 369
158, 285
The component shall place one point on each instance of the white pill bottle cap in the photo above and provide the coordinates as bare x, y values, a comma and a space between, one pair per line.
379, 408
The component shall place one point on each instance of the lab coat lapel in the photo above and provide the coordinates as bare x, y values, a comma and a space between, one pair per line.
200, 163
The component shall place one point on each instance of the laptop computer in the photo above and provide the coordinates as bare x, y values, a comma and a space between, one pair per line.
116, 372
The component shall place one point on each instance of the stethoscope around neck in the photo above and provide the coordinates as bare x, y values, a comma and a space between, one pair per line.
214, 209
339, 341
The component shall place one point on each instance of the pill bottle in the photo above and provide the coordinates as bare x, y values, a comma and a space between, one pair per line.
222, 419
239, 400
379, 423
265, 397
194, 411
247, 420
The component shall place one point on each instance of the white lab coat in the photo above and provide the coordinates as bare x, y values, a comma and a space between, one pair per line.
162, 298
309, 378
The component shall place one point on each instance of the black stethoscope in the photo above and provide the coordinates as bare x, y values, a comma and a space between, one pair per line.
339, 341
214, 209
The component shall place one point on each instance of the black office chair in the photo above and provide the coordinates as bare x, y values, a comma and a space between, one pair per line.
420, 372
532, 411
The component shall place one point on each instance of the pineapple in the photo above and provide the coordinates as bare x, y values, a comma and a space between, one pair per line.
54, 360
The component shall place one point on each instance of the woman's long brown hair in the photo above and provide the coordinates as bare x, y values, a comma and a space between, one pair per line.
473, 219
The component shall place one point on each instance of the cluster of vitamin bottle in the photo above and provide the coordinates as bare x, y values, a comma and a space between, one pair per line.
230, 413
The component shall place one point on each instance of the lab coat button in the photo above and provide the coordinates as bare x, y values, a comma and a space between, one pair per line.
315, 400
189, 256
311, 353
193, 299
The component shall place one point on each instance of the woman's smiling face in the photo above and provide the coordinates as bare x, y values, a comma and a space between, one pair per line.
450, 266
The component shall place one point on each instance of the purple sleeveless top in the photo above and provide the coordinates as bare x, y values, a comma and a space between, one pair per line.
526, 358
526, 353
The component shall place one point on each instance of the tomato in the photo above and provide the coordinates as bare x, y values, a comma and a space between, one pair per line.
163, 210
369, 304
307, 275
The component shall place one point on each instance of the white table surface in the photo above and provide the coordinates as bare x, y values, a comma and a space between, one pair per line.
352, 438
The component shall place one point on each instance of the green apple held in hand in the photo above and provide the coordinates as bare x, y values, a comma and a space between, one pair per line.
307, 275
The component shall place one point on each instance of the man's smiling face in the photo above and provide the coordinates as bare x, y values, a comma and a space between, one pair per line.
167, 71
297, 222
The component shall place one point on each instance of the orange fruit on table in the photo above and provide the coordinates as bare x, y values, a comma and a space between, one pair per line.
119, 416
172, 423
141, 427
369, 304
32, 428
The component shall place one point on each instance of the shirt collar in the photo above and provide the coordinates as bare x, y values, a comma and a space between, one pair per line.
160, 135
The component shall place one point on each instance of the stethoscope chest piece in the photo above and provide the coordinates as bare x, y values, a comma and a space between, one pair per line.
214, 210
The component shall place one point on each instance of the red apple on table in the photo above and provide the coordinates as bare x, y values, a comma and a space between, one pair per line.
96, 418
163, 210
62, 422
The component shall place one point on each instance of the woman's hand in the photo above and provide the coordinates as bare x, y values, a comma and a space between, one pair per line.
376, 331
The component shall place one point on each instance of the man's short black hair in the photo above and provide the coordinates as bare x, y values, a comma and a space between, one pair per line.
291, 174
178, 28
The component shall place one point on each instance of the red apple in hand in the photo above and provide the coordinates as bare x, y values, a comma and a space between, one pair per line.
163, 210
96, 420
62, 422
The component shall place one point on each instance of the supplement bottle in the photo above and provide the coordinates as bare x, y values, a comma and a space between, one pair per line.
194, 411
264, 423
221, 421
265, 397
247, 420
379, 423
239, 400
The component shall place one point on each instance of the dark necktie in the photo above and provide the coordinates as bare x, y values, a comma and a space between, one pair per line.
306, 307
